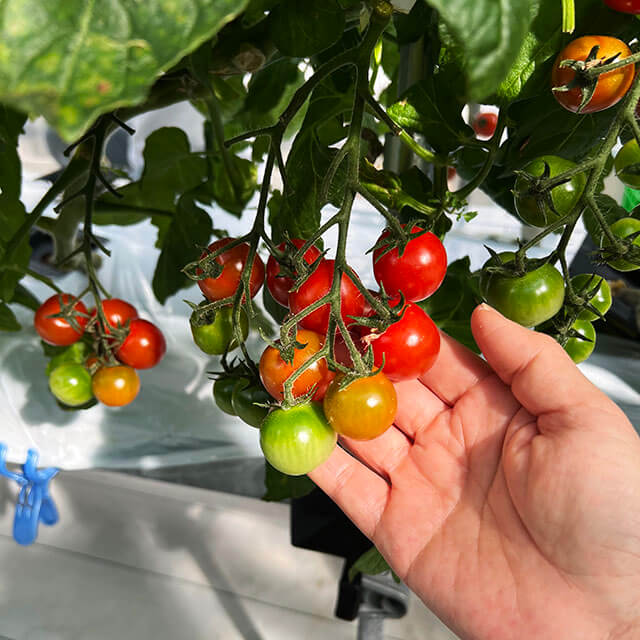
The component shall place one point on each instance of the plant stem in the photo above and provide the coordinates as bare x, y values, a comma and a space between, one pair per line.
568, 16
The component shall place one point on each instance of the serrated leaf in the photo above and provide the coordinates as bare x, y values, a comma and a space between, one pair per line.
190, 227
72, 60
8, 320
370, 562
302, 29
282, 487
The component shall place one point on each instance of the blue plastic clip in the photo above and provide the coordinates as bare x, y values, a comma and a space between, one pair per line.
34, 504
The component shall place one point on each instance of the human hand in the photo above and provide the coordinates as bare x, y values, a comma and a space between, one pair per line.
507, 496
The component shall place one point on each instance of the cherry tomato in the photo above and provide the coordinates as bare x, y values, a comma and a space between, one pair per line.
246, 400
484, 124
279, 287
295, 441
222, 392
117, 313
594, 288
274, 370
627, 164
578, 349
530, 299
409, 347
341, 352
215, 337
232, 261
363, 410
317, 285
58, 331
116, 386
71, 384
611, 86
624, 6
565, 196
144, 345
623, 228
417, 273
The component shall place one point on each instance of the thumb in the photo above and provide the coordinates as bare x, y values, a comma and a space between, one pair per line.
542, 377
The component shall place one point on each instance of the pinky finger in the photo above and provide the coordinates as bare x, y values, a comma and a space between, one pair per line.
356, 489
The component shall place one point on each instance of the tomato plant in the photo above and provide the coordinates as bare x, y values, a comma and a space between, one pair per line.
624, 228
596, 290
610, 87
364, 409
581, 348
70, 383
297, 440
279, 285
60, 331
144, 345
541, 209
484, 124
274, 370
216, 337
116, 386
417, 273
627, 164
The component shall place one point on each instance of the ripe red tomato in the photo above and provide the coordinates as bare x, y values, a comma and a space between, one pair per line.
232, 261
611, 86
144, 345
317, 285
116, 312
409, 346
115, 386
484, 124
279, 286
58, 331
418, 272
274, 370
624, 6
363, 410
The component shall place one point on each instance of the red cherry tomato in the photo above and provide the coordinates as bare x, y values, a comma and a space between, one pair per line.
58, 331
317, 285
409, 347
232, 261
117, 313
279, 287
624, 6
274, 371
115, 386
611, 86
417, 273
144, 345
484, 124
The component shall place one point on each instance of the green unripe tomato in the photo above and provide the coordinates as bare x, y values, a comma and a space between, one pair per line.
580, 350
222, 391
627, 164
564, 196
71, 384
295, 441
530, 299
214, 338
77, 352
244, 398
623, 228
584, 285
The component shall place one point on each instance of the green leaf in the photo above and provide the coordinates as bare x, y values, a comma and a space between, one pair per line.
450, 307
72, 60
281, 487
8, 320
12, 214
233, 197
488, 35
24, 297
190, 227
412, 26
256, 11
302, 28
370, 562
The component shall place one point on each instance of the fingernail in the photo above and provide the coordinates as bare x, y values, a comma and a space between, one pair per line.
485, 307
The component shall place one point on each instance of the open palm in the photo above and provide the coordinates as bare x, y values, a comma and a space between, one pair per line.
507, 496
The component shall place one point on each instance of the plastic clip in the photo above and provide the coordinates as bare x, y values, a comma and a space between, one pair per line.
34, 504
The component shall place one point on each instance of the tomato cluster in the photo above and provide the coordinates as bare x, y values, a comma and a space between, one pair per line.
97, 353
295, 439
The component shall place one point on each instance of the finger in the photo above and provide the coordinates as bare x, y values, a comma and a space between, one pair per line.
543, 378
358, 491
384, 453
418, 406
455, 371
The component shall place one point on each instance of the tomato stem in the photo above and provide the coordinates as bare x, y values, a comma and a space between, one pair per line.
568, 16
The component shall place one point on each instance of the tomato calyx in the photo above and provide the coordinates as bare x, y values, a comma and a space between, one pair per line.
624, 249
